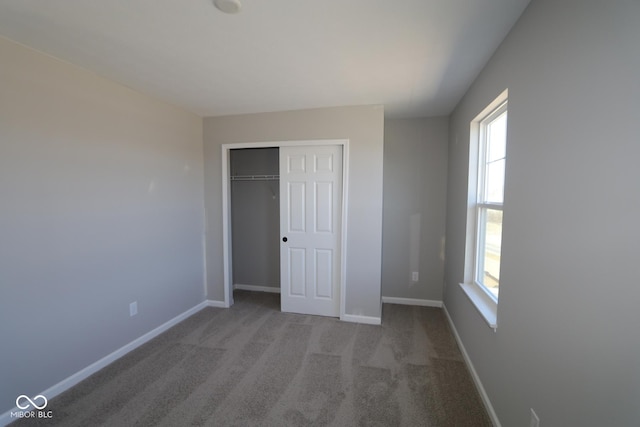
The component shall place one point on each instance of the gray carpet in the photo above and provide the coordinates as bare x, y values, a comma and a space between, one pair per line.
251, 365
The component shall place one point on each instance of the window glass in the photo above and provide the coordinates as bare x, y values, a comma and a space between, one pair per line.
497, 137
494, 191
492, 148
491, 250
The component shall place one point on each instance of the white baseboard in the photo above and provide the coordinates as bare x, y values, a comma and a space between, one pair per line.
474, 374
256, 288
74, 379
213, 303
368, 320
412, 301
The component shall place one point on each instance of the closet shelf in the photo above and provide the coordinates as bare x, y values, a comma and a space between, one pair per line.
255, 177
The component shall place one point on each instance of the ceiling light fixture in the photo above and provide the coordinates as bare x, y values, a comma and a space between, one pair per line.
228, 6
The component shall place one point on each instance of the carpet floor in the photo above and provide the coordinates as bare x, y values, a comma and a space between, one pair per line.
251, 365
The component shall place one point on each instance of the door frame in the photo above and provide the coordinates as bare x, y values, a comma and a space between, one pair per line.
227, 260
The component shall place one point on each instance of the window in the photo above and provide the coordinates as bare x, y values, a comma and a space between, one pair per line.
487, 158
492, 145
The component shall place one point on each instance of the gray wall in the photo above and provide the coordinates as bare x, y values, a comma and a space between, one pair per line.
567, 342
255, 218
101, 194
415, 186
364, 127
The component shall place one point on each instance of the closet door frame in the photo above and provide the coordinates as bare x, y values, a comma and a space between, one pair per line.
226, 208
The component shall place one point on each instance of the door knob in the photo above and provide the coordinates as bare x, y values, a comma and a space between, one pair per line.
284, 239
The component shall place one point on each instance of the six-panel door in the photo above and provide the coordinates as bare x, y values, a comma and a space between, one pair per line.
310, 227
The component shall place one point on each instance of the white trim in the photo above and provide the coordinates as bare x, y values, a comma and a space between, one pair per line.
486, 306
226, 229
343, 228
204, 260
292, 143
254, 288
473, 183
226, 210
367, 320
478, 152
84, 373
213, 303
491, 205
494, 105
412, 301
476, 379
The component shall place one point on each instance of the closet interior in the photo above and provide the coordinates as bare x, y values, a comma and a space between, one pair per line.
255, 218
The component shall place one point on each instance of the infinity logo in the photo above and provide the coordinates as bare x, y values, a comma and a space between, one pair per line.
31, 402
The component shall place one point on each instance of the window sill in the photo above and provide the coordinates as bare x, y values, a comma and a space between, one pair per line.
485, 305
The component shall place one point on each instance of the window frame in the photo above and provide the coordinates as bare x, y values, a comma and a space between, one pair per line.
481, 298
481, 203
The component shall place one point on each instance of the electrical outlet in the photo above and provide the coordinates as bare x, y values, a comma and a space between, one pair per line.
535, 421
414, 276
133, 308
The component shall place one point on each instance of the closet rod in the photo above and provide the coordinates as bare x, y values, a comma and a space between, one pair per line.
255, 177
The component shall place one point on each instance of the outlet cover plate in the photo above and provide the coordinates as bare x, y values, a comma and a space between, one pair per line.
535, 421
133, 308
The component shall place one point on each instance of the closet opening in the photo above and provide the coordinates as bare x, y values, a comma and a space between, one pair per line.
284, 222
255, 218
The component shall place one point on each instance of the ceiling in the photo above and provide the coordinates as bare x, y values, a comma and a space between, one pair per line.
417, 57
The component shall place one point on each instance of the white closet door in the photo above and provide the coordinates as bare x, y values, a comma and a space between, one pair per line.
310, 229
